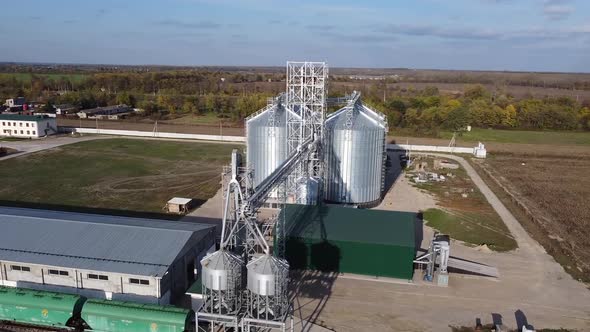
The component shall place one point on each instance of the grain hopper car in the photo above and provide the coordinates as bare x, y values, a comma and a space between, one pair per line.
60, 311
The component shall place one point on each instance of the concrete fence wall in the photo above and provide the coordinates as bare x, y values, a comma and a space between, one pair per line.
241, 139
136, 133
430, 148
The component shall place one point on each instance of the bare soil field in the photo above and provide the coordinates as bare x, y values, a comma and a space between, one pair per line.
519, 92
468, 76
552, 193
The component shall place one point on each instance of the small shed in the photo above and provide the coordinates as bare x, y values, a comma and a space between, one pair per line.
179, 205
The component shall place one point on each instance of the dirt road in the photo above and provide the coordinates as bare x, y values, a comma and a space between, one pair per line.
30, 146
525, 242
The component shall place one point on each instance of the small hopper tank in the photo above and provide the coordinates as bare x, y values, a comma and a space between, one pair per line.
268, 277
264, 273
221, 270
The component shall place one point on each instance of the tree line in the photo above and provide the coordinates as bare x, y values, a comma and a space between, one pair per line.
235, 95
430, 111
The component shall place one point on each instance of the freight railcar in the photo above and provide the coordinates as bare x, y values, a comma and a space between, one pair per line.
74, 312
39, 307
114, 316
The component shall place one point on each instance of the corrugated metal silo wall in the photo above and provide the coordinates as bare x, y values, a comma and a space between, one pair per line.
354, 171
265, 151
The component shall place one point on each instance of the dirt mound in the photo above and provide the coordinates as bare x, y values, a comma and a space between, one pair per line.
483, 248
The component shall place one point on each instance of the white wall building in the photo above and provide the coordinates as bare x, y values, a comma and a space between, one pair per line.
97, 256
12, 102
27, 126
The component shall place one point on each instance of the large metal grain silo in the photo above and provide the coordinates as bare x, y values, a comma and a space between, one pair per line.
266, 137
354, 155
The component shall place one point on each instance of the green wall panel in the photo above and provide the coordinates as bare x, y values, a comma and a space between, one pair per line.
356, 241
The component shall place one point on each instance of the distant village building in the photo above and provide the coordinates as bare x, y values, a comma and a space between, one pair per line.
27, 126
110, 112
14, 102
66, 109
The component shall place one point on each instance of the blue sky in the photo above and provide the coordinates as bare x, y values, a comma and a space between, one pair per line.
542, 35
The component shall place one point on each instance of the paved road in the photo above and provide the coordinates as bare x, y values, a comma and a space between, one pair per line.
30, 146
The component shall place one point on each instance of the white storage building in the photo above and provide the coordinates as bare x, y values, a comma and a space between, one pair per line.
27, 126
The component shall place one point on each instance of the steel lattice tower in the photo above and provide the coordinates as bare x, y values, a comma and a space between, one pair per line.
306, 98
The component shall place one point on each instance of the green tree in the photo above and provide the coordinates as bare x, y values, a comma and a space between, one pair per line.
396, 104
457, 119
394, 118
508, 116
485, 114
149, 107
584, 118
48, 107
430, 91
165, 102
189, 107
477, 91
87, 100
411, 118
126, 98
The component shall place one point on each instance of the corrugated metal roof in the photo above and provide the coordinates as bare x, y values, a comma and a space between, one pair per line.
20, 117
119, 108
351, 225
94, 242
362, 117
179, 201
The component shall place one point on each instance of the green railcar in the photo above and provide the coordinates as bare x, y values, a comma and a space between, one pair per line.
116, 316
39, 307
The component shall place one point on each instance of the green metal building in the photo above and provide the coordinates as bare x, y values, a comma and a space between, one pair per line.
347, 240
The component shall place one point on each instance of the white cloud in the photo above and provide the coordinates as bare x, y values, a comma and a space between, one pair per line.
557, 9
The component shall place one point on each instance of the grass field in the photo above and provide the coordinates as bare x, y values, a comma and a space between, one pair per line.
496, 137
464, 212
522, 136
471, 227
205, 119
26, 77
121, 174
